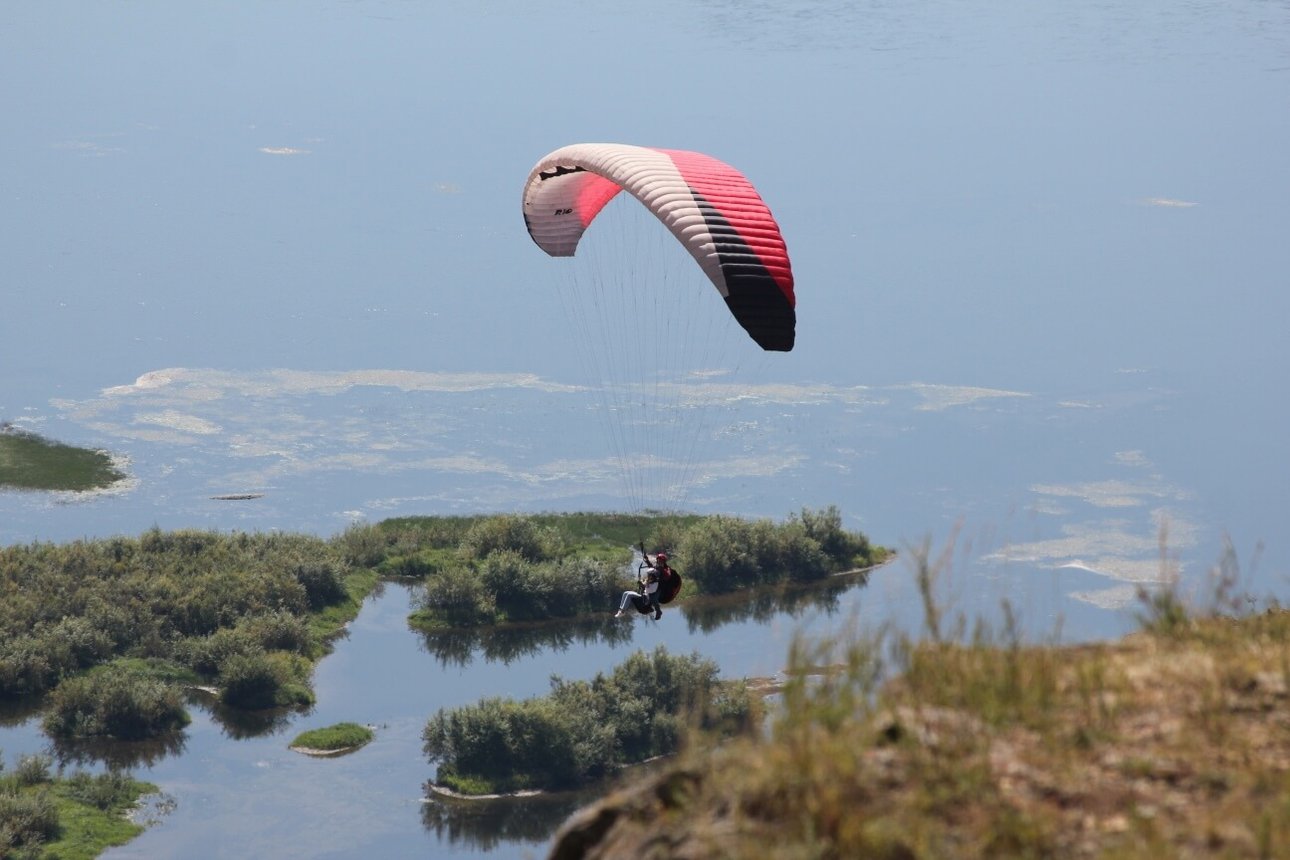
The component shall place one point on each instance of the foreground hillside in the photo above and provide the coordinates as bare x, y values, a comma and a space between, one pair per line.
1174, 742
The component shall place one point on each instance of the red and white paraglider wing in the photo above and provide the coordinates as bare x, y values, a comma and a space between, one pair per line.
710, 207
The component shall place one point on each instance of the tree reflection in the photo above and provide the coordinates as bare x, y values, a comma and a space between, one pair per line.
703, 614
484, 824
16, 711
117, 754
759, 605
240, 724
458, 648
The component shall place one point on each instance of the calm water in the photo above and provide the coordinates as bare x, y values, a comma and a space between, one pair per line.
277, 249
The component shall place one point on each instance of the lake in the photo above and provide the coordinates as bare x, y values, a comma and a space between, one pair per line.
276, 250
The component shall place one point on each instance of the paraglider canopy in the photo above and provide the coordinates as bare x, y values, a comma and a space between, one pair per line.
711, 208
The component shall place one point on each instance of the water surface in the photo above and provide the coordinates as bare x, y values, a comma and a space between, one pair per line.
277, 251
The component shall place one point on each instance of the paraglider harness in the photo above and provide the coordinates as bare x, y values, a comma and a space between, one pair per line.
669, 583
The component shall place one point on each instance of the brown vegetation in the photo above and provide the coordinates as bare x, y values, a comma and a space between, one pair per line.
1174, 742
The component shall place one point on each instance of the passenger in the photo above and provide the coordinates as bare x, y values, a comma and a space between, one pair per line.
645, 597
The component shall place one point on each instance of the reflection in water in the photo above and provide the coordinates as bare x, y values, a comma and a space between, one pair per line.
115, 754
241, 725
762, 604
484, 824
457, 648
15, 712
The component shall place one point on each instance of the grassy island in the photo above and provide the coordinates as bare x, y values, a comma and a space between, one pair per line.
338, 738
31, 462
73, 818
481, 571
584, 731
112, 627
245, 613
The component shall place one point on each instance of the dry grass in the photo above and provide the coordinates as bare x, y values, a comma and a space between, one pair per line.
1174, 742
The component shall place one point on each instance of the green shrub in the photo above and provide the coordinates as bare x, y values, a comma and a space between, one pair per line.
323, 580
362, 544
722, 554
77, 641
525, 589
844, 549
459, 595
719, 555
249, 680
588, 583
26, 819
36, 662
105, 791
114, 702
278, 631
582, 730
32, 769
25, 667
206, 654
514, 533
507, 744
258, 680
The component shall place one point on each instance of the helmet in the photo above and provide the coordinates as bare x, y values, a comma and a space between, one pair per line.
662, 556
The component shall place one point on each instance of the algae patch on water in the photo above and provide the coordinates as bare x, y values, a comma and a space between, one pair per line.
31, 462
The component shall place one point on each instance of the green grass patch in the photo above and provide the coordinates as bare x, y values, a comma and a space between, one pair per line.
71, 818
87, 827
341, 736
31, 462
156, 669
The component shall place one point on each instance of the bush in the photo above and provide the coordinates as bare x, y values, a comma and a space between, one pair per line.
844, 549
36, 662
723, 554
26, 819
206, 654
257, 680
106, 791
506, 744
459, 595
249, 680
419, 565
32, 769
78, 642
525, 589
589, 583
362, 544
114, 702
25, 667
324, 582
278, 631
582, 730
516, 534
791, 553
719, 555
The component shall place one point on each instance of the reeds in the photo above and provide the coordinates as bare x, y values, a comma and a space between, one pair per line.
970, 742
